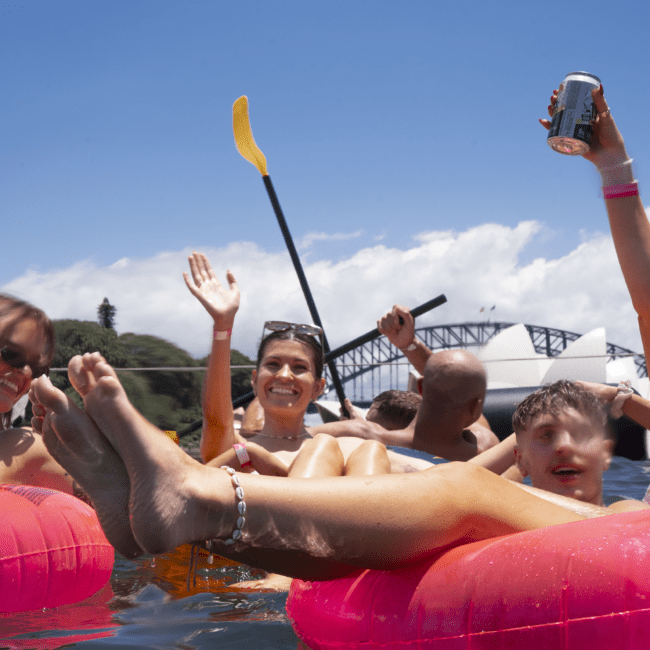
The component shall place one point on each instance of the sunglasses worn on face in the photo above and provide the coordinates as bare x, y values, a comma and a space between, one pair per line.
18, 360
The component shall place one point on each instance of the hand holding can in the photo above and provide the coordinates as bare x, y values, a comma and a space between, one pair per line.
574, 115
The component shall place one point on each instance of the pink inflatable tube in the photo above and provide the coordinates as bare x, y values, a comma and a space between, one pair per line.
584, 585
52, 549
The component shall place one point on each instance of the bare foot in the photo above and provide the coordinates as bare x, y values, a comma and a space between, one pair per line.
168, 504
77, 445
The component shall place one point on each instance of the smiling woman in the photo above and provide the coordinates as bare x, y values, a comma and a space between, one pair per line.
26, 350
288, 376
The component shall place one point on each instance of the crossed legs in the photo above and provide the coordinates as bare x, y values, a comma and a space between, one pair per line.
312, 528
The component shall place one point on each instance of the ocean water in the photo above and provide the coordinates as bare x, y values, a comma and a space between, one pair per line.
147, 604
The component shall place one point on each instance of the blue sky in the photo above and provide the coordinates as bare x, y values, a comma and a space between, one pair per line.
382, 123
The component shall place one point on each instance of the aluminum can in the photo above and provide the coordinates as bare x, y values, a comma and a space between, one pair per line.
572, 126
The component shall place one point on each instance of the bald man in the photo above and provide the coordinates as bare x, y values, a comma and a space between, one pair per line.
453, 391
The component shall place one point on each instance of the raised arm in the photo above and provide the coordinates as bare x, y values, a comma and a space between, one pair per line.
222, 304
398, 326
498, 459
627, 403
627, 217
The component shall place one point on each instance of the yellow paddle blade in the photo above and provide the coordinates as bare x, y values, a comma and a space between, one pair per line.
241, 127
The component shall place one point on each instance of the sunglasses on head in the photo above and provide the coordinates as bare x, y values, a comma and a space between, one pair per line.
18, 360
283, 326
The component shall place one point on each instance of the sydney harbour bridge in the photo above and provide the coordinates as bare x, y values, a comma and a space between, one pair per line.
378, 365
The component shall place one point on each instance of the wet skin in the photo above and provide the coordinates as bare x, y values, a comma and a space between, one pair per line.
566, 454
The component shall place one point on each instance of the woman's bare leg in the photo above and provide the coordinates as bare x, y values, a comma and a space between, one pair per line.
319, 457
370, 458
299, 526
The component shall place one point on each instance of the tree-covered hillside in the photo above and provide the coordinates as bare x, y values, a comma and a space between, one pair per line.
170, 399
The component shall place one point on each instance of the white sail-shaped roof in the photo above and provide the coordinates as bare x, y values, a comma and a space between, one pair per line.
583, 360
510, 359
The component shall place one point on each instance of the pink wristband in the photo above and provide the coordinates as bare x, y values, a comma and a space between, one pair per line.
222, 335
242, 455
619, 191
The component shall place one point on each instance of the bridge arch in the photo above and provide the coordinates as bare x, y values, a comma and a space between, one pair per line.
378, 365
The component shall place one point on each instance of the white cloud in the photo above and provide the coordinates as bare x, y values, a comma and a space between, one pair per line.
475, 268
311, 237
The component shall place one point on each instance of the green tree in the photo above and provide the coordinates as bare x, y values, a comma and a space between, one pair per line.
78, 337
106, 314
240, 378
169, 398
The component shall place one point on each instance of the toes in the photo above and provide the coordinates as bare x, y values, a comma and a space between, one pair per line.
78, 375
91, 359
37, 424
31, 396
39, 410
44, 394
104, 369
85, 371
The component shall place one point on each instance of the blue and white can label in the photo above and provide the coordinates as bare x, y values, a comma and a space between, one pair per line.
572, 126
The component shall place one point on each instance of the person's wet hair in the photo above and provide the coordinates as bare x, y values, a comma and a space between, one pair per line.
291, 335
14, 310
397, 408
556, 397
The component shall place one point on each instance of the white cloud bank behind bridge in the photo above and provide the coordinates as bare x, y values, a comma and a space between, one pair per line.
477, 268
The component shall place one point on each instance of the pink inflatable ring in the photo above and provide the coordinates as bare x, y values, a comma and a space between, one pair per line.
52, 549
583, 585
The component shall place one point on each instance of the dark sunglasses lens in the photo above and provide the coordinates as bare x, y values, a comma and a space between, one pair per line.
13, 358
18, 360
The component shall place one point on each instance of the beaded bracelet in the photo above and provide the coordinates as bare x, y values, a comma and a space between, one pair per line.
241, 506
619, 191
236, 533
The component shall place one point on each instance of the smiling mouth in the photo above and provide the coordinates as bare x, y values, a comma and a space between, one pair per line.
283, 391
8, 384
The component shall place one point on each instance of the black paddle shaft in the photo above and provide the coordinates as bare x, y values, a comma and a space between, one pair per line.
338, 386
